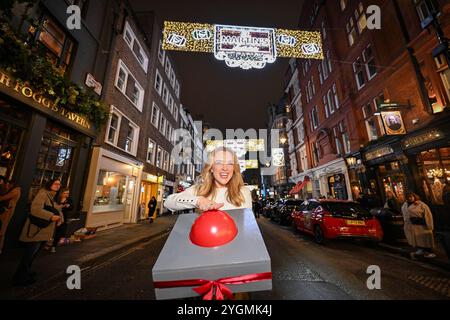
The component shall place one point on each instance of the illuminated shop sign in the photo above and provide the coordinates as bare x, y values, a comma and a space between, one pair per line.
393, 122
377, 153
244, 47
423, 138
38, 100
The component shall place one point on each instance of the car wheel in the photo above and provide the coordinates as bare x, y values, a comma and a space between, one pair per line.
318, 235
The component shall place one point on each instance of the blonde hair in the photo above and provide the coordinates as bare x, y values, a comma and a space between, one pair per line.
207, 187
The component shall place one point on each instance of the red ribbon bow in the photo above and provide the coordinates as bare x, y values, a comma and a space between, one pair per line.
210, 288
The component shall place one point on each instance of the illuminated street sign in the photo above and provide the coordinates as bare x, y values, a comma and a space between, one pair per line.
244, 47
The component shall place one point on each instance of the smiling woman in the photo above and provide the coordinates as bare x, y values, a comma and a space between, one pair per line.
221, 186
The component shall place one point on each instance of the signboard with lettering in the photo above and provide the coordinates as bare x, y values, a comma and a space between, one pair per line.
244, 47
92, 83
377, 153
429, 136
45, 103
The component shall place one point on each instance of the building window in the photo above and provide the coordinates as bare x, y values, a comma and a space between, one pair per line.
151, 151
166, 161
360, 17
328, 60
158, 82
159, 157
128, 85
170, 104
113, 128
358, 69
319, 69
369, 62
110, 192
131, 138
337, 141
369, 119
351, 31
165, 96
60, 46
177, 89
444, 71
175, 112
132, 41
343, 4
314, 116
335, 96
345, 137
168, 67
161, 53
162, 125
316, 152
155, 115
172, 78
425, 8
325, 105
324, 31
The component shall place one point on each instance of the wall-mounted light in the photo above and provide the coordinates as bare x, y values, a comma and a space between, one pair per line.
351, 161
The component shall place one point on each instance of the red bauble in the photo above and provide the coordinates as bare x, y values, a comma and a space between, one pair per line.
213, 228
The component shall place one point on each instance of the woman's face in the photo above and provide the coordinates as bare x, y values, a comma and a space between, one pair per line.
223, 168
56, 185
411, 199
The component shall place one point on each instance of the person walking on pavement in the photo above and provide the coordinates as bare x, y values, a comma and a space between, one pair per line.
418, 225
392, 202
9, 195
44, 207
151, 209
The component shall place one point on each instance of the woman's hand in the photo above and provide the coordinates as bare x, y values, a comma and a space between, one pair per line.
205, 204
56, 218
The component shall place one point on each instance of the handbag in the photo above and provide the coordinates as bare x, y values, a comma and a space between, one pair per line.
418, 221
40, 222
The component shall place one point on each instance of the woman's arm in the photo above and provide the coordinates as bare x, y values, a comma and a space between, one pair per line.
428, 217
248, 201
14, 193
182, 201
37, 206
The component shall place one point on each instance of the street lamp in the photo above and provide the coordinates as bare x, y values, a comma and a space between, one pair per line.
351, 161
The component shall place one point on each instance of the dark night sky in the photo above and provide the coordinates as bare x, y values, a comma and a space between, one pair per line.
227, 97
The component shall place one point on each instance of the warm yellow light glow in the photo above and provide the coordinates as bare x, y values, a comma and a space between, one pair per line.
199, 37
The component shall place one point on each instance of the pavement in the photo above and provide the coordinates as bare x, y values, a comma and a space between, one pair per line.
51, 266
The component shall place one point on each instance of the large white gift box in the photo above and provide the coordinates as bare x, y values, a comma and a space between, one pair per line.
242, 265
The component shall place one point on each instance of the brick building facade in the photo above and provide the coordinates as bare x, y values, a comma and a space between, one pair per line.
382, 102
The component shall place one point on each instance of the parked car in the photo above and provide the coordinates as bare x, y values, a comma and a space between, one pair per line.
283, 215
275, 208
391, 223
332, 219
267, 204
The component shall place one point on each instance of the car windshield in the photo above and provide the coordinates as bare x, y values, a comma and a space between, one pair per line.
346, 209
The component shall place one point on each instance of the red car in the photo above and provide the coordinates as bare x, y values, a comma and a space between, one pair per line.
333, 219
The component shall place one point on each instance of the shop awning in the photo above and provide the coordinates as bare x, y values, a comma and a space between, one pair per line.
299, 186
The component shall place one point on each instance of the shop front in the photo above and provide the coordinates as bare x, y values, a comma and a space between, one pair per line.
113, 190
40, 140
332, 181
428, 151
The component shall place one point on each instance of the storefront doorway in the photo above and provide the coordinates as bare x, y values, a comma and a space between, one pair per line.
148, 190
393, 179
337, 187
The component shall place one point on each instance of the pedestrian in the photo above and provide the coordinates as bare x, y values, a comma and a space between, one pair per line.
44, 211
221, 186
9, 195
392, 202
151, 209
418, 225
63, 199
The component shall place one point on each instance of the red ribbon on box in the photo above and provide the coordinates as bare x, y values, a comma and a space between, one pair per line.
217, 288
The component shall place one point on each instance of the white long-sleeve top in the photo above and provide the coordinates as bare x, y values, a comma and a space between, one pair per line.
188, 199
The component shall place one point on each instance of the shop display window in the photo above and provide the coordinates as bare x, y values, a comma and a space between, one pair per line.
110, 192
434, 165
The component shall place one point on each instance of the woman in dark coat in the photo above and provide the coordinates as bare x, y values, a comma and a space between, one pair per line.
151, 209
66, 203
